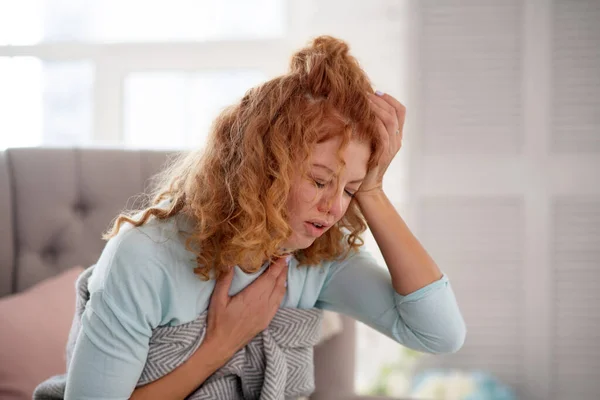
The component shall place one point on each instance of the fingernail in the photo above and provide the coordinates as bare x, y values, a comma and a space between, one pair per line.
285, 283
379, 93
288, 258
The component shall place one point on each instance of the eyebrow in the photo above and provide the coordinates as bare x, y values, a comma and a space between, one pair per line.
333, 172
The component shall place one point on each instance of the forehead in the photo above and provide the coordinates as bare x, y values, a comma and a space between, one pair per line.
355, 155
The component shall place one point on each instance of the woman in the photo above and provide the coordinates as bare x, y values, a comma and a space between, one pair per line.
271, 214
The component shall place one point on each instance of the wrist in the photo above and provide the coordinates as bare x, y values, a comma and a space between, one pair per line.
213, 353
375, 194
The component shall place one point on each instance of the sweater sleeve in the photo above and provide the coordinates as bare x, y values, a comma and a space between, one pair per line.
427, 320
124, 308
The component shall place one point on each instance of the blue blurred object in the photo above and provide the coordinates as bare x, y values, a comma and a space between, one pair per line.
440, 384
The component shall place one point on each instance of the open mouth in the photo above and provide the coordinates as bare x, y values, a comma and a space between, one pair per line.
314, 229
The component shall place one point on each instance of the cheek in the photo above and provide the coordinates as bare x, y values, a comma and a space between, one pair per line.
346, 206
302, 196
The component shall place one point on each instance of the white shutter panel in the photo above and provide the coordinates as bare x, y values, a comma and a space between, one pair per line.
504, 186
470, 76
576, 80
576, 328
575, 246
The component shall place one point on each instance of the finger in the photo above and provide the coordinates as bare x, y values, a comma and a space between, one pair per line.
221, 291
385, 114
399, 108
277, 267
385, 138
267, 281
387, 123
400, 112
381, 105
381, 101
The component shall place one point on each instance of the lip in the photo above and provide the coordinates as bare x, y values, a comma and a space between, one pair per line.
313, 230
320, 222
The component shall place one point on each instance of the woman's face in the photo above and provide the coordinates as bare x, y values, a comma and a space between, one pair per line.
326, 204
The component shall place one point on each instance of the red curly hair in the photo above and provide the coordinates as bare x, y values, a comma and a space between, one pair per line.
236, 188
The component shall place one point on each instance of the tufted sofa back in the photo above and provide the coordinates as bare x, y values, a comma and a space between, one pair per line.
56, 203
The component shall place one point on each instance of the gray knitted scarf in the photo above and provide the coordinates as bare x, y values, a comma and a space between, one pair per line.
276, 365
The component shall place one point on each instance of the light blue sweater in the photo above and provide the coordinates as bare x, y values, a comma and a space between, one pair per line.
144, 279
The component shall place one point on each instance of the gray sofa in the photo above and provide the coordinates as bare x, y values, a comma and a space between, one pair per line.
54, 204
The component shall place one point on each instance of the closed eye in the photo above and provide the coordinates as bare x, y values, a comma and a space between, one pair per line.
322, 185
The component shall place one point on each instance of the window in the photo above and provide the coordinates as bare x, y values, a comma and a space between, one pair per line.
176, 109
49, 102
30, 22
127, 72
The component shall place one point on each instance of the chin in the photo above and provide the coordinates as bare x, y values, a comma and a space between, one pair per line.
299, 242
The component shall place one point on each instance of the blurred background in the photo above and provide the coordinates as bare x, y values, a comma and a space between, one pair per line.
498, 176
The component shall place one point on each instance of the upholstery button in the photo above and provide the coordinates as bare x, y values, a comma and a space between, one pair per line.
81, 209
50, 254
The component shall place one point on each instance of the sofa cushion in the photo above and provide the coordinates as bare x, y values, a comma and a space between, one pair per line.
34, 328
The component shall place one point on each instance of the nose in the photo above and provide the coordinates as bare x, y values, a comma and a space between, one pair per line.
332, 203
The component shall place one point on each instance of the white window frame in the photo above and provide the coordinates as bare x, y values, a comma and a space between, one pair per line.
113, 62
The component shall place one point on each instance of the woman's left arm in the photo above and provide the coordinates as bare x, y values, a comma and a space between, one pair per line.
410, 266
418, 307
